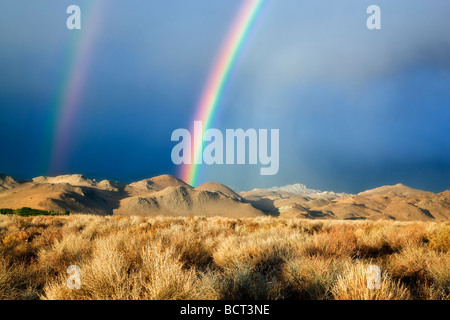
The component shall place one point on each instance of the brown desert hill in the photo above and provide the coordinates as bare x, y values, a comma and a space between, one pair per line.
74, 193
397, 202
444, 196
80, 180
72, 179
283, 203
186, 201
398, 190
219, 188
7, 182
167, 195
60, 197
161, 195
158, 183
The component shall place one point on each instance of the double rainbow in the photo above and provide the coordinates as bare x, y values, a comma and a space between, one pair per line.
68, 98
217, 80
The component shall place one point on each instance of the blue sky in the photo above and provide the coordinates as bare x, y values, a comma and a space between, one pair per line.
356, 108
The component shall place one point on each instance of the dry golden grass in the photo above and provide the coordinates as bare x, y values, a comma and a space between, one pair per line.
221, 258
352, 285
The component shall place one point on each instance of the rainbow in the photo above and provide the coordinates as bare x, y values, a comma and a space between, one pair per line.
217, 80
68, 96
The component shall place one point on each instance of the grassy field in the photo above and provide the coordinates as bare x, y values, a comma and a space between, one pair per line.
221, 258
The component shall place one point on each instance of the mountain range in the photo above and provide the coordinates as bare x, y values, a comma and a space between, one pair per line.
169, 196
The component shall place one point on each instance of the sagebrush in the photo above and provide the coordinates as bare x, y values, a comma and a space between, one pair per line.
221, 258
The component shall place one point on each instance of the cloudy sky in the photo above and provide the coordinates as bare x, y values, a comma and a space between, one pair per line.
356, 108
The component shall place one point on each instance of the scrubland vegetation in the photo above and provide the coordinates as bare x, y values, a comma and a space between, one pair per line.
221, 258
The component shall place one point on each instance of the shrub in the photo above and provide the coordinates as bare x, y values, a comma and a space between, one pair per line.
352, 285
219, 258
440, 239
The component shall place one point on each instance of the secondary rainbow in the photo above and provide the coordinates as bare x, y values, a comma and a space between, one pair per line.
217, 80
67, 99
